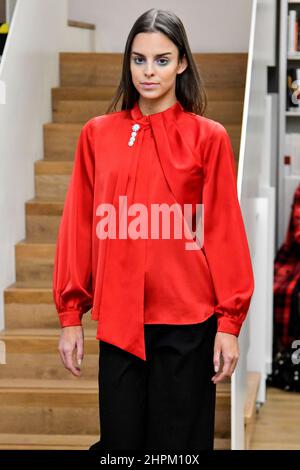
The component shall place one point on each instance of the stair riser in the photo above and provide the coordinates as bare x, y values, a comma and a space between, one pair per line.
104, 93
76, 415
36, 272
43, 345
42, 228
37, 315
46, 366
60, 143
225, 112
77, 111
51, 186
90, 69
81, 111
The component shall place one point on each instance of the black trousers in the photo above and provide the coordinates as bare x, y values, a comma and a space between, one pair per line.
166, 402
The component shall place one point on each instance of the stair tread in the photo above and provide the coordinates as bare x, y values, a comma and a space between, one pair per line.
57, 440
26, 288
38, 200
18, 287
61, 125
48, 385
38, 332
53, 167
27, 243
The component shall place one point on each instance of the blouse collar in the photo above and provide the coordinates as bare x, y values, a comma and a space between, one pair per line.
170, 113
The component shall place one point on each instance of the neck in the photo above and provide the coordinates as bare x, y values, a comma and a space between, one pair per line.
148, 106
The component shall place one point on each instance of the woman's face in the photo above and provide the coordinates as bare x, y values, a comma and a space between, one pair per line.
154, 58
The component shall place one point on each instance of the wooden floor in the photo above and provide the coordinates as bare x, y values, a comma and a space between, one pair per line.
277, 424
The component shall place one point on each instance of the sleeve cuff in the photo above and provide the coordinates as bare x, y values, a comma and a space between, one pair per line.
70, 318
228, 325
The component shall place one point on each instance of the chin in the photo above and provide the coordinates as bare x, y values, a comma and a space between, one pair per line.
150, 94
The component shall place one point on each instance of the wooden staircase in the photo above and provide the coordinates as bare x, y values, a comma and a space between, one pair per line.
43, 406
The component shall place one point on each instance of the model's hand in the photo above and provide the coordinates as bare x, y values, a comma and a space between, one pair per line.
71, 340
226, 345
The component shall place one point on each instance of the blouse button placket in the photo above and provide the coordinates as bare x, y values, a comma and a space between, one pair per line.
134, 132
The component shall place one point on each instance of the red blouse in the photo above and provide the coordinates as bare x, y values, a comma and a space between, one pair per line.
174, 157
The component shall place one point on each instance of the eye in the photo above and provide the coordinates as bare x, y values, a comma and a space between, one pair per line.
136, 59
161, 60
165, 61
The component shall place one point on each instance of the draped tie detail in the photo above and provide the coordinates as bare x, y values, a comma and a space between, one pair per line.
122, 297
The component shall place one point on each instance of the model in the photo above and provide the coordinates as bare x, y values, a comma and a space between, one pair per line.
169, 308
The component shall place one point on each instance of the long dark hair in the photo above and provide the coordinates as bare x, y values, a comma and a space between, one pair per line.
189, 90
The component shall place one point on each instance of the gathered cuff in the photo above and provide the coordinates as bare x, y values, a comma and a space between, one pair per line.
70, 318
228, 325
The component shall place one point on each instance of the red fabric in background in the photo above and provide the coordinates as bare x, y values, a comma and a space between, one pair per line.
286, 276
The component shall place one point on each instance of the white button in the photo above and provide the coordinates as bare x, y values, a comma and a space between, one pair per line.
131, 142
136, 127
133, 134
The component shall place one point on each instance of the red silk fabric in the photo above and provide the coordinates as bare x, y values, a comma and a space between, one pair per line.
177, 157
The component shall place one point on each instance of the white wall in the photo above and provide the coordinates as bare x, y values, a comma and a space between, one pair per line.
28, 69
211, 26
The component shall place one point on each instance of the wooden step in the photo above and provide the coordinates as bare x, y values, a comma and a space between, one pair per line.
80, 111
85, 93
234, 132
42, 340
33, 406
81, 24
222, 70
60, 140
33, 307
42, 218
104, 69
52, 178
105, 93
90, 69
36, 365
33, 354
225, 112
35, 263
46, 441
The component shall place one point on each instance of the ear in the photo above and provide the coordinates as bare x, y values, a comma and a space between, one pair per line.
182, 64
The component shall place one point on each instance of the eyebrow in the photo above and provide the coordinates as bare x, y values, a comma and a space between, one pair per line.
157, 55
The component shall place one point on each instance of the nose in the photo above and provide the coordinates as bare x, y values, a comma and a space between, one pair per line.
148, 69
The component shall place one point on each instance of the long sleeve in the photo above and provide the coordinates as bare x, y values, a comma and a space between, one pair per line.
72, 274
225, 241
